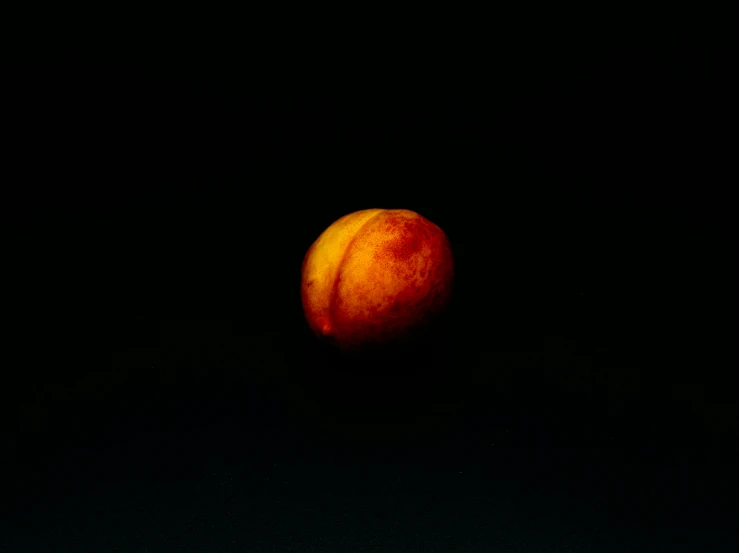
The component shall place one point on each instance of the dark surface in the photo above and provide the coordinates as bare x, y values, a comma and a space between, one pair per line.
164, 392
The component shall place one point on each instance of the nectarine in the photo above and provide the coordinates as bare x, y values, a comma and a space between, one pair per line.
374, 276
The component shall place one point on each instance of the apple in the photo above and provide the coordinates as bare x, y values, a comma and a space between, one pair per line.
375, 276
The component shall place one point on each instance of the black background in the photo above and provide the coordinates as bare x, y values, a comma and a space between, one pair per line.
165, 392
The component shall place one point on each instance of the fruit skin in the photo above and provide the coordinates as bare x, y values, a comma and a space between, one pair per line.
375, 275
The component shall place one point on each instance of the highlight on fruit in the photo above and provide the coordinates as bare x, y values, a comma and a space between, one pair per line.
374, 276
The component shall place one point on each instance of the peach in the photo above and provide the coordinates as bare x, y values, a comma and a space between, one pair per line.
374, 276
